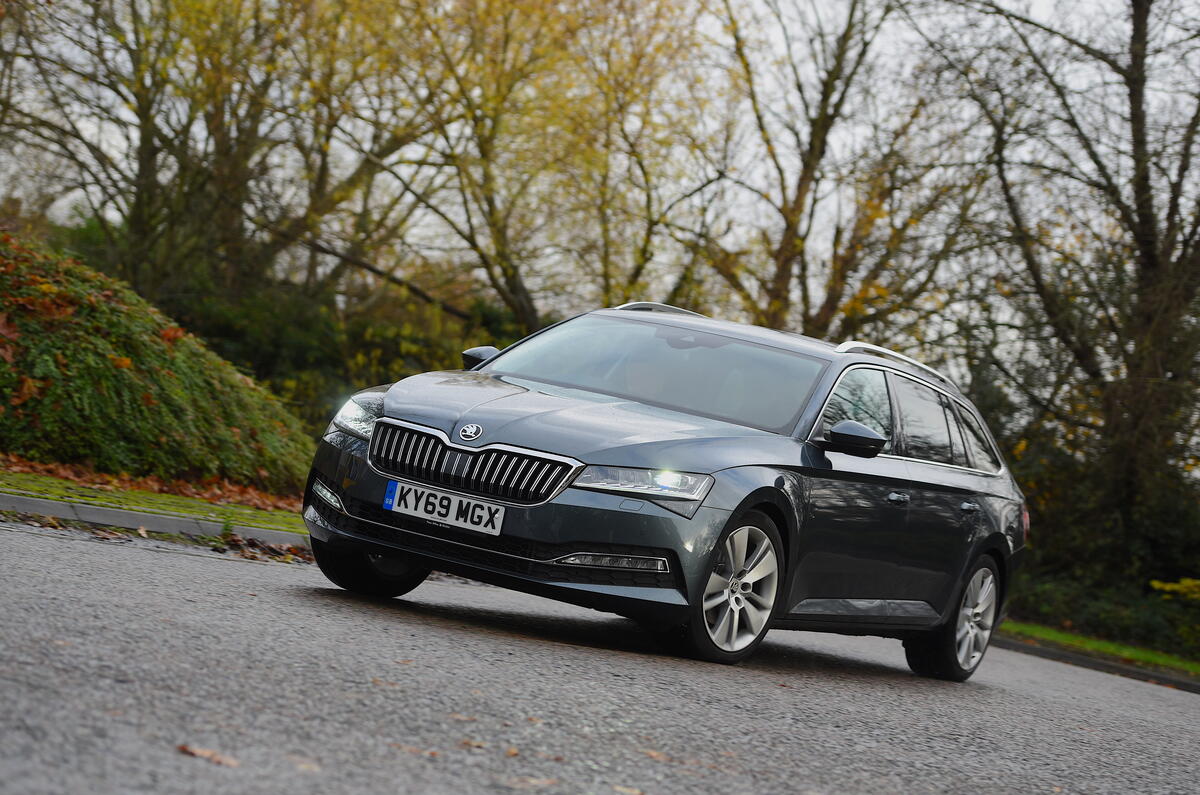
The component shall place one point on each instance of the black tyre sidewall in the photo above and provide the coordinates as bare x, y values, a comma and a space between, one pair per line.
349, 568
695, 635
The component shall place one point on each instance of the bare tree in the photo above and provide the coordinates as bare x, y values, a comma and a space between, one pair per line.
1091, 134
846, 211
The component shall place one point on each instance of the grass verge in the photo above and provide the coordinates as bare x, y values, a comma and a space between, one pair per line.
1133, 655
228, 543
52, 488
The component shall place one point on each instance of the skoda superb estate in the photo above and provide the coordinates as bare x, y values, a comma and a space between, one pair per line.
708, 479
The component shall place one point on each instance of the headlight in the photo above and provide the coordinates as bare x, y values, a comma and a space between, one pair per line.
358, 416
681, 492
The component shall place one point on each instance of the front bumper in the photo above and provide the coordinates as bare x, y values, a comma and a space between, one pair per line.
532, 538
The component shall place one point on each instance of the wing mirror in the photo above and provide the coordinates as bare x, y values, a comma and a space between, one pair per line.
852, 438
473, 357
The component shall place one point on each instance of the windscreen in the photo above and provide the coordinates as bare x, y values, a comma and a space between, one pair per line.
676, 368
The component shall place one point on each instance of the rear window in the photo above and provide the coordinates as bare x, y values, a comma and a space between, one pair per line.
982, 452
692, 371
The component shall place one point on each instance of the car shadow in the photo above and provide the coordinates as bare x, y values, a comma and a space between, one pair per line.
603, 630
614, 633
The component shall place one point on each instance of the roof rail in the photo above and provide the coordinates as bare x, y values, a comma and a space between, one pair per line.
654, 306
855, 345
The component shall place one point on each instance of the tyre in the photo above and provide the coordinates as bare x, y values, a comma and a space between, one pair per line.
734, 610
955, 650
368, 573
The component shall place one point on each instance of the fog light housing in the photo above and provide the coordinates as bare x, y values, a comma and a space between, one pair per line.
598, 561
326, 493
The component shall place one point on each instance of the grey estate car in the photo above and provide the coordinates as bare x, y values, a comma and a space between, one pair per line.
709, 479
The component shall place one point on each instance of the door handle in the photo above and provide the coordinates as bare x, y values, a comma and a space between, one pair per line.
970, 507
897, 498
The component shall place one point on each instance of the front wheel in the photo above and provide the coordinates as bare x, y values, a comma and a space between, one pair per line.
732, 614
954, 651
368, 573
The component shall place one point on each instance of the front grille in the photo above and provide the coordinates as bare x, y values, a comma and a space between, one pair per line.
506, 475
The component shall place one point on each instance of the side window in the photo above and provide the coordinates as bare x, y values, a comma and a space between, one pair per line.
957, 446
923, 417
981, 449
862, 396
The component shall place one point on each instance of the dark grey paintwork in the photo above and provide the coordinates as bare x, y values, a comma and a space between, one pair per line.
856, 561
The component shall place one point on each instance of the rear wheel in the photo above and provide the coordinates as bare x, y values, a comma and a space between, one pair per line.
732, 614
955, 650
368, 573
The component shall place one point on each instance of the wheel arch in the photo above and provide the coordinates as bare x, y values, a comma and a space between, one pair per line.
995, 547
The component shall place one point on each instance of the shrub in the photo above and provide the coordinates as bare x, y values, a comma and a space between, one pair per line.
90, 373
1122, 613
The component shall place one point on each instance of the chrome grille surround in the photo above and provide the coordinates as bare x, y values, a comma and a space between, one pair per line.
501, 472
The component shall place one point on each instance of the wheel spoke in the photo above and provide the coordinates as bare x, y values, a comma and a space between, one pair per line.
714, 600
737, 548
716, 584
987, 591
766, 566
718, 629
973, 591
760, 551
759, 601
733, 629
754, 618
964, 644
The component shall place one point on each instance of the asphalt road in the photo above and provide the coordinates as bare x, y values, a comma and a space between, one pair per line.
112, 655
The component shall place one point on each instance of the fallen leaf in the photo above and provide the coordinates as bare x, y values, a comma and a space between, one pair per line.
383, 682
412, 749
473, 744
8, 329
142, 532
534, 720
28, 388
121, 362
627, 790
304, 763
512, 751
464, 718
404, 662
209, 755
658, 756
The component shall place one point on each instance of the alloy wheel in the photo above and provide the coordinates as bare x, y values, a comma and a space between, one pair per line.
740, 594
976, 617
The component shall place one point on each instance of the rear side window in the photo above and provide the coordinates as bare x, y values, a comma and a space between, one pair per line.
956, 434
923, 418
982, 452
862, 396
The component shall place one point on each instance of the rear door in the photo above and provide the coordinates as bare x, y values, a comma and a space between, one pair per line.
943, 512
856, 509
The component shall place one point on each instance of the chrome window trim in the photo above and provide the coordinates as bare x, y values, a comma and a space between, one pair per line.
812, 435
879, 350
576, 466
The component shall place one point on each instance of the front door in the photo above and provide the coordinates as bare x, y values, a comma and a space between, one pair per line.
856, 511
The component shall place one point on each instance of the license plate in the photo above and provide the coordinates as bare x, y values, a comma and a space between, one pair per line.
444, 509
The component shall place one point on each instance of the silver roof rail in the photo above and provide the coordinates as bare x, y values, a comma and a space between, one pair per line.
866, 347
654, 306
